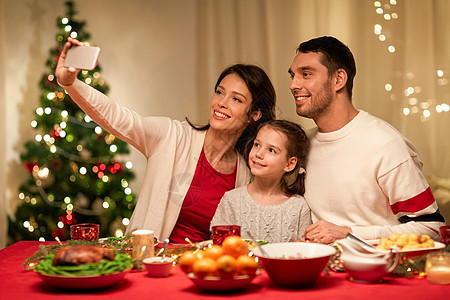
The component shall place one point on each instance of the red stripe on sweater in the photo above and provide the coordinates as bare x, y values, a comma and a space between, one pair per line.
416, 203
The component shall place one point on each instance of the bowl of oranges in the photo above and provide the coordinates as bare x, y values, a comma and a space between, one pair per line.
220, 267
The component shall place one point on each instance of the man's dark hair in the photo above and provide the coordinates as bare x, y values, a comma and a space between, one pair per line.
336, 56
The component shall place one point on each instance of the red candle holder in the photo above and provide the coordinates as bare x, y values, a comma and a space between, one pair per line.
87, 232
220, 232
445, 234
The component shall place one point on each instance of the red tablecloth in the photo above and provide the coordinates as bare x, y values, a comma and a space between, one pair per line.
17, 283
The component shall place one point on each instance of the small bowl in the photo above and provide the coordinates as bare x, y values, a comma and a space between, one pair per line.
158, 268
284, 267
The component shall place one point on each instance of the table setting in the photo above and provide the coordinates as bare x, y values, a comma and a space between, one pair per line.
139, 265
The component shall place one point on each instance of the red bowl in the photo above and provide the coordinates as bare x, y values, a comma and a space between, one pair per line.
296, 264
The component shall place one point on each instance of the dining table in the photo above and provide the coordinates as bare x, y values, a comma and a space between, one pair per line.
18, 282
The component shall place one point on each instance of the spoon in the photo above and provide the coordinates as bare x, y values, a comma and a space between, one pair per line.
263, 252
365, 245
166, 241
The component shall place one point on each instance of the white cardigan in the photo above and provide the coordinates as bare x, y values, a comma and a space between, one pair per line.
172, 149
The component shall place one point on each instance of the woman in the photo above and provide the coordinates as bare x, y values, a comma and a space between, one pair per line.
188, 168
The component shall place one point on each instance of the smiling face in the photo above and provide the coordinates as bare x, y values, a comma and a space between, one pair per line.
311, 85
230, 105
269, 155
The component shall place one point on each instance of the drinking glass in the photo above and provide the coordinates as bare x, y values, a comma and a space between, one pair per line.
86, 231
220, 232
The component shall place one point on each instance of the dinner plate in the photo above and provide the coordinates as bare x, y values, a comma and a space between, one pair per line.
220, 284
83, 282
412, 252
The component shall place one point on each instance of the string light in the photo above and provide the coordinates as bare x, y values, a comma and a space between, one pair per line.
83, 171
39, 111
415, 105
50, 96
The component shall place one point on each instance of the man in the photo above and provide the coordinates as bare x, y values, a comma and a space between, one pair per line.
363, 176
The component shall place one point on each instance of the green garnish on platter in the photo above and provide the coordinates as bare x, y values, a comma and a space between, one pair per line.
121, 262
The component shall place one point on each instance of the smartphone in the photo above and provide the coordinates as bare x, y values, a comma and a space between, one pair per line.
82, 57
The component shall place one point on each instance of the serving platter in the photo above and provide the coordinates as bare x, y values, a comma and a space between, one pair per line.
411, 252
221, 284
83, 282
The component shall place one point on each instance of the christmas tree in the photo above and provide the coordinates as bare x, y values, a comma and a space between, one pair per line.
75, 176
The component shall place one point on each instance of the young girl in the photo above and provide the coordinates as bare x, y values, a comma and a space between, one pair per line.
271, 207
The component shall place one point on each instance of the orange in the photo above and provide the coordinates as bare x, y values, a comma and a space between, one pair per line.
246, 265
199, 253
213, 251
226, 266
234, 246
187, 260
204, 267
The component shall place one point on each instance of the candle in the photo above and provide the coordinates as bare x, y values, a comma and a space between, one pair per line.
437, 267
445, 234
143, 244
87, 232
220, 232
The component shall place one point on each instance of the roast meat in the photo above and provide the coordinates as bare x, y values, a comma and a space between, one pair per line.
81, 254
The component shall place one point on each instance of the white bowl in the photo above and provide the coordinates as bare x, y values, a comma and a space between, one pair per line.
287, 270
157, 267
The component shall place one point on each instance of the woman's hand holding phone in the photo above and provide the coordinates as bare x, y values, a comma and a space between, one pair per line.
67, 75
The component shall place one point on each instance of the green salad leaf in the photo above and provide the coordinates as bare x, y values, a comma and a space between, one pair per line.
120, 263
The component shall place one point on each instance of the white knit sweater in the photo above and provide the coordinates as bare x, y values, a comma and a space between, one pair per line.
285, 222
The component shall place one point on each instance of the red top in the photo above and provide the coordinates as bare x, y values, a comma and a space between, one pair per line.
200, 203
